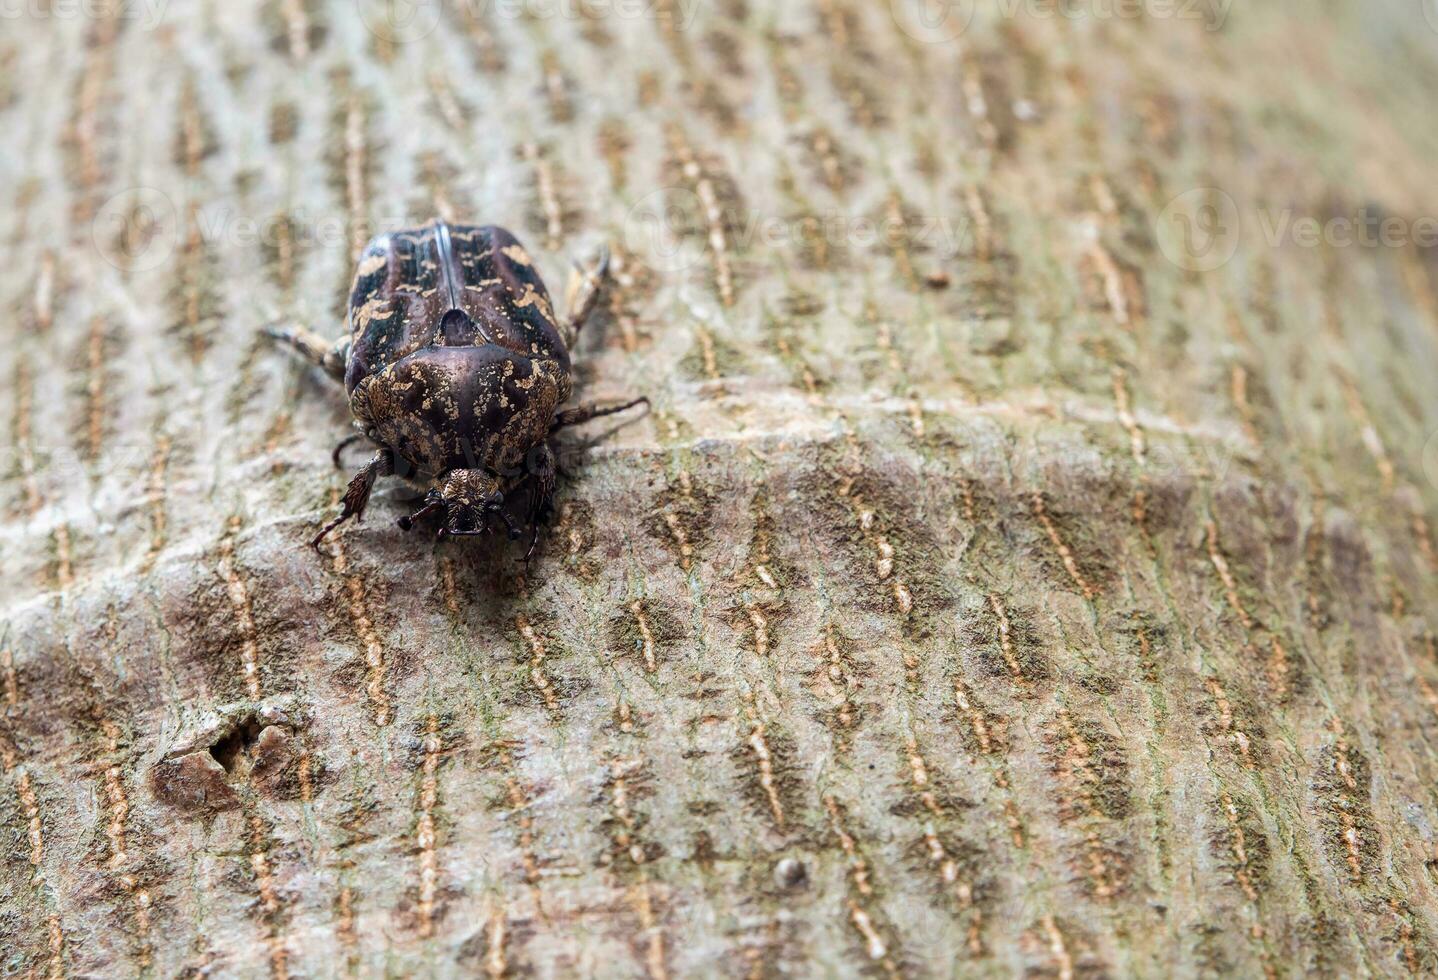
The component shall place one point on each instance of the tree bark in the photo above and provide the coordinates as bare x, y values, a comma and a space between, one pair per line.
1027, 565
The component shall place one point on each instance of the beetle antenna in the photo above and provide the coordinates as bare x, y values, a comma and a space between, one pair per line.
576, 416
344, 444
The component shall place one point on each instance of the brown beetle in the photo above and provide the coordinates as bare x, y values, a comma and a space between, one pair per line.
456, 367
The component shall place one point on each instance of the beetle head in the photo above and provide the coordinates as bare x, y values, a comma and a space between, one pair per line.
470, 498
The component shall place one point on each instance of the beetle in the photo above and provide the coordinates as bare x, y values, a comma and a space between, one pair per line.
456, 367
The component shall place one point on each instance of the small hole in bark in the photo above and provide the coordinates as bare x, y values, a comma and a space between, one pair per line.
236, 743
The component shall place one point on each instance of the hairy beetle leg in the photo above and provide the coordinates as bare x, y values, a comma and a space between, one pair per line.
545, 473
330, 355
357, 495
582, 295
576, 416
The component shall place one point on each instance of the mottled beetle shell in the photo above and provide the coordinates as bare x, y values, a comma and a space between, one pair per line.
455, 360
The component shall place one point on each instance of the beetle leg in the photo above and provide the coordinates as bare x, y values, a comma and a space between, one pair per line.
408, 521
509, 524
357, 495
575, 416
544, 472
585, 288
544, 469
330, 355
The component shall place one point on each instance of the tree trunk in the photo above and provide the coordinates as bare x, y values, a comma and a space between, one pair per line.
1026, 566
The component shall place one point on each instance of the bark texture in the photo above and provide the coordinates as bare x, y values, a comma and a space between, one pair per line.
992, 589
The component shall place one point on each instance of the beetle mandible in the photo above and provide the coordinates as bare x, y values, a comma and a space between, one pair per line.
456, 368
